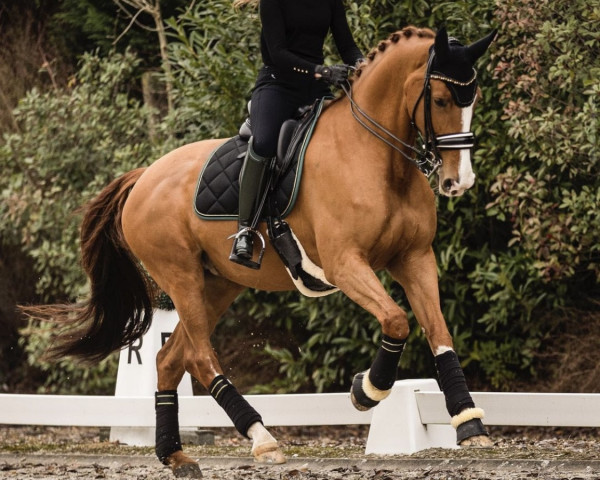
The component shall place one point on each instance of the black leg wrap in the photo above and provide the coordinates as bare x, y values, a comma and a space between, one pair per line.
360, 399
242, 414
167, 424
471, 428
382, 375
458, 398
453, 383
385, 366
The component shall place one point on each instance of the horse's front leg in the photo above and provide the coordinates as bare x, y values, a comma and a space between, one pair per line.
358, 281
417, 274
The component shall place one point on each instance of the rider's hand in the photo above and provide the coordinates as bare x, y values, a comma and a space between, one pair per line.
336, 75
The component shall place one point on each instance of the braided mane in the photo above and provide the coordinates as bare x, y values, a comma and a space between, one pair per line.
406, 33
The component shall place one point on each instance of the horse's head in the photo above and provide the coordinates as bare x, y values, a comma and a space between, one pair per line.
442, 108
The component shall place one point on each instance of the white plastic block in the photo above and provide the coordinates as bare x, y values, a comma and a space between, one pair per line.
396, 426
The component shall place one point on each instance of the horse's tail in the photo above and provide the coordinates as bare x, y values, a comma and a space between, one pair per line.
118, 309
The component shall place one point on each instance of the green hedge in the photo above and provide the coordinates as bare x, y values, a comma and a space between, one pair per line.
70, 145
515, 253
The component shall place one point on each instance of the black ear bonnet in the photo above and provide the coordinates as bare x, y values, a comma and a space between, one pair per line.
453, 63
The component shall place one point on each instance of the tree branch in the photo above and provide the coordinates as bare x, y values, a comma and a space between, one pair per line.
154, 10
124, 32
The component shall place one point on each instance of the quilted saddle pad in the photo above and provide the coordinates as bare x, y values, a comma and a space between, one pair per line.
218, 186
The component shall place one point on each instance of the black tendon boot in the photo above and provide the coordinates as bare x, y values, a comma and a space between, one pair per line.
252, 185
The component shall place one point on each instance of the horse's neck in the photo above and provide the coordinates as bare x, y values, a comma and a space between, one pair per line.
380, 96
379, 92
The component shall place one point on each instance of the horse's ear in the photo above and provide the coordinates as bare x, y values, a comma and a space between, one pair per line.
478, 48
441, 47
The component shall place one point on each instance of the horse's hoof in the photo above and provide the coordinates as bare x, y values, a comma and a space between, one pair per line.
478, 441
358, 406
268, 453
183, 466
361, 401
188, 470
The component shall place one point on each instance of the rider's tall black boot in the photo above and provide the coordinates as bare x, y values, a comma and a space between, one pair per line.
252, 185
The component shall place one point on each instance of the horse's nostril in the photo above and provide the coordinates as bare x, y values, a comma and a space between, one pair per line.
447, 184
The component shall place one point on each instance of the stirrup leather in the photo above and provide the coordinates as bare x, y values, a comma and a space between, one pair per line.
244, 261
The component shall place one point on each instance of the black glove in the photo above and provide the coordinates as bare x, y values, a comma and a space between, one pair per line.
336, 75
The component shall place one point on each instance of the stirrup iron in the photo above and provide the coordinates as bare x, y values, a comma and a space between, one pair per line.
244, 261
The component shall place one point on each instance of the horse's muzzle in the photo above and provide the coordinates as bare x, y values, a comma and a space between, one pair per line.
452, 187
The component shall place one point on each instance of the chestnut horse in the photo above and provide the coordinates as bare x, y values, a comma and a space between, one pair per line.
364, 205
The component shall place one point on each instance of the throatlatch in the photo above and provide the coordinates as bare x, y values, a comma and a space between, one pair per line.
167, 424
242, 414
372, 386
465, 417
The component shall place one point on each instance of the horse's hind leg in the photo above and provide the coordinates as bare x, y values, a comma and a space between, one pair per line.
418, 277
170, 369
189, 349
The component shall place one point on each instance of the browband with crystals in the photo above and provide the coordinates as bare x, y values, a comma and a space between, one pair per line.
444, 78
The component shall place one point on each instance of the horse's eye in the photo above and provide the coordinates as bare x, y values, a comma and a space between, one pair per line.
440, 102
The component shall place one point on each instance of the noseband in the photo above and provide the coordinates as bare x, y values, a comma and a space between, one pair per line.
427, 156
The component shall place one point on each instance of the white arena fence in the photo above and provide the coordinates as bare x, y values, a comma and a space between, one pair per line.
412, 418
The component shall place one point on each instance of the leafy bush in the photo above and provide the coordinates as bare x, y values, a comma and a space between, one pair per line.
65, 376
214, 52
545, 194
71, 145
550, 192
515, 253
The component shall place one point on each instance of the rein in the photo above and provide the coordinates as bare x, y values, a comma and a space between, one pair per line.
427, 155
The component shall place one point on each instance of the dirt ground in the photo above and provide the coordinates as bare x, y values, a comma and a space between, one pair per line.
315, 453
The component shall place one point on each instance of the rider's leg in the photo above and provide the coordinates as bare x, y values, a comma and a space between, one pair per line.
271, 105
252, 185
